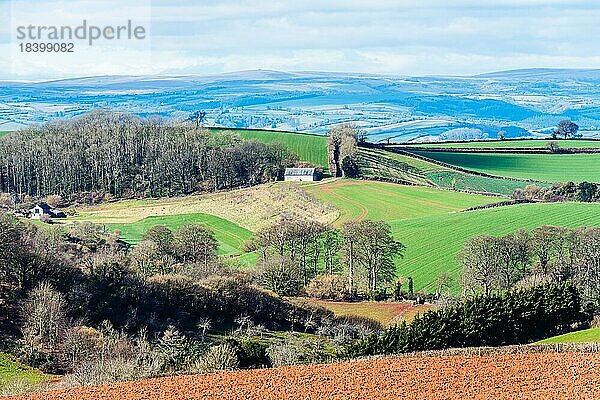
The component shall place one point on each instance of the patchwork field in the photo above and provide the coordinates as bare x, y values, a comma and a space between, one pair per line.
544, 167
434, 241
387, 201
311, 148
457, 180
587, 335
231, 237
556, 376
512, 144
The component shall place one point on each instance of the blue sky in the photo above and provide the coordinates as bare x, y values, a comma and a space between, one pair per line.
459, 37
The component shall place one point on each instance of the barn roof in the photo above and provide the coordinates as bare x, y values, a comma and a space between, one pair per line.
299, 171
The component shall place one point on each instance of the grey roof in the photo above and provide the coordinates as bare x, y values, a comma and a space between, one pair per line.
299, 171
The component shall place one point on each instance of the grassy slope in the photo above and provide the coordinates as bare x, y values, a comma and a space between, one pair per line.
433, 242
2, 133
311, 148
545, 167
463, 181
230, 236
587, 335
11, 370
508, 144
388, 201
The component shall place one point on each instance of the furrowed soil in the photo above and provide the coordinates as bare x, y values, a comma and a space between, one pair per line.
505, 376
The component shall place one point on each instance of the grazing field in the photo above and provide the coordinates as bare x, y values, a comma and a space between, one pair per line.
11, 371
311, 148
386, 313
231, 237
587, 335
544, 167
387, 201
2, 133
434, 241
555, 376
513, 144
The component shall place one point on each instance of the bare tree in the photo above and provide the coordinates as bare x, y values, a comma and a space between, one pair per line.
342, 143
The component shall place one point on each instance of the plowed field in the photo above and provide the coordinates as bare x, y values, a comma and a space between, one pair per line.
518, 376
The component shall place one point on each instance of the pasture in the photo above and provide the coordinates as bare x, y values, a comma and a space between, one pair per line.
511, 144
387, 201
586, 335
311, 148
433, 242
543, 167
462, 181
230, 236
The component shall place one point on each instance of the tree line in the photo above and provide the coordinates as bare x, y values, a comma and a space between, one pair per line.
124, 155
544, 254
294, 251
586, 192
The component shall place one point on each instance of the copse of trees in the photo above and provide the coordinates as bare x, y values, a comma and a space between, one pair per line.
342, 148
124, 155
294, 251
545, 254
514, 317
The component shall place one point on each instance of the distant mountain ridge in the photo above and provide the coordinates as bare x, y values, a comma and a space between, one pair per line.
395, 108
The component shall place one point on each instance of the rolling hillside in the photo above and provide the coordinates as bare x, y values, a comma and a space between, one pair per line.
231, 236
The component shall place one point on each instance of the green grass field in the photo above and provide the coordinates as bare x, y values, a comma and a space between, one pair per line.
311, 148
587, 335
387, 201
544, 167
433, 242
512, 144
11, 370
2, 133
230, 236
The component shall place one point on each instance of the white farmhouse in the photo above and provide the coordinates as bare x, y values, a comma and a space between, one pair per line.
43, 210
300, 175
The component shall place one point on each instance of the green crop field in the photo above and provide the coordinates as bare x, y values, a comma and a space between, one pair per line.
587, 335
230, 235
311, 148
11, 371
512, 144
544, 167
463, 181
387, 201
433, 242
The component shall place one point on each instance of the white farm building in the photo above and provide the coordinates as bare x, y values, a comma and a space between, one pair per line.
300, 175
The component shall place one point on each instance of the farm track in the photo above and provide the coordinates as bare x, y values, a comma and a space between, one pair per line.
570, 375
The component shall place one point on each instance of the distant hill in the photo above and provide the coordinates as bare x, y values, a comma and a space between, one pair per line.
521, 103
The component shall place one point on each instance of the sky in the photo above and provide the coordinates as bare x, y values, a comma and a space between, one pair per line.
401, 37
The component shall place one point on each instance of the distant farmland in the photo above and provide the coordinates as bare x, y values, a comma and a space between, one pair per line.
311, 148
545, 167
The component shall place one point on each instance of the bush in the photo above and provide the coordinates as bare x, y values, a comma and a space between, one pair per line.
251, 353
330, 287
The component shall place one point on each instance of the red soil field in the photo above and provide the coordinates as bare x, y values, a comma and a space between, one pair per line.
506, 376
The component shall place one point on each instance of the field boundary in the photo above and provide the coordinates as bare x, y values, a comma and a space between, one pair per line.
585, 347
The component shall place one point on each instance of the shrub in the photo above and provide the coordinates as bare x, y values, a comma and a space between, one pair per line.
219, 358
331, 287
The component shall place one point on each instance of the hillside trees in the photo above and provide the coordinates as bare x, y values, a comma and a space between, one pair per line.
126, 156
